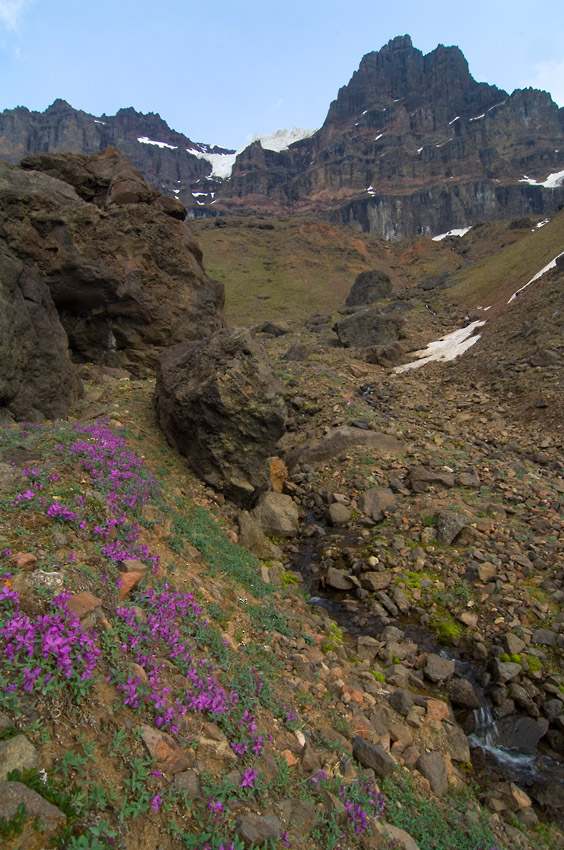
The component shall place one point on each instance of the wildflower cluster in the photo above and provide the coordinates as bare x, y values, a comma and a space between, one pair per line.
117, 472
162, 632
47, 651
363, 803
122, 475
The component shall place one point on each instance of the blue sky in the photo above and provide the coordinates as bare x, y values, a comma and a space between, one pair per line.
222, 70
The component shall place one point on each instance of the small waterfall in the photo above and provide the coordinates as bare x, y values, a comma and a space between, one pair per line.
487, 736
487, 731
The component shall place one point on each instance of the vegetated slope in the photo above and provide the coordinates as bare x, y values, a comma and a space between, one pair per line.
158, 689
283, 270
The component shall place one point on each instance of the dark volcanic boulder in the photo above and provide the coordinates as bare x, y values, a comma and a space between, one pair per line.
220, 404
124, 274
37, 379
368, 327
369, 286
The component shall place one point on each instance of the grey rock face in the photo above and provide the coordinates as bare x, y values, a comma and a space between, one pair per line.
367, 328
433, 768
37, 379
256, 830
371, 285
277, 515
124, 274
438, 669
420, 478
462, 693
373, 756
374, 502
17, 754
449, 526
13, 794
220, 404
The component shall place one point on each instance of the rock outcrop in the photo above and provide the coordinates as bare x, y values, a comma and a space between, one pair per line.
413, 144
219, 403
371, 285
37, 379
168, 160
123, 271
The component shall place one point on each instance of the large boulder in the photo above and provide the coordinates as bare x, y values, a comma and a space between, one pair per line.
277, 515
219, 403
37, 379
368, 327
124, 273
371, 285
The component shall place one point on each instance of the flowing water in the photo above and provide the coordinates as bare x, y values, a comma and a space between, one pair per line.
355, 619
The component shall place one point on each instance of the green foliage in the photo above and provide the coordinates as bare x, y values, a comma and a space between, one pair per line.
334, 640
288, 579
445, 627
266, 617
533, 663
436, 824
221, 555
9, 827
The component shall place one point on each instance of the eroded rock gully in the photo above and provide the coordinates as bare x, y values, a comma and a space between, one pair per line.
451, 540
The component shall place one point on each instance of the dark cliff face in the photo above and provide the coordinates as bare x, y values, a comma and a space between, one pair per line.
168, 166
413, 144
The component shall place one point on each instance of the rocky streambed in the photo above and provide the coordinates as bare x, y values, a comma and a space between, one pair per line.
431, 534
392, 641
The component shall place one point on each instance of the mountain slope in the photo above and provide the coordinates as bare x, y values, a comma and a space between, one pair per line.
413, 144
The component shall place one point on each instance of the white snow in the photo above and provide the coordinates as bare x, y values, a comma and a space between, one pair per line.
198, 194
371, 190
419, 150
97, 121
146, 141
552, 181
440, 145
455, 119
477, 118
282, 139
447, 348
542, 223
548, 266
495, 106
457, 231
379, 136
222, 163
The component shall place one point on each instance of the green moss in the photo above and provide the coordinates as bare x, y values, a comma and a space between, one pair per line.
533, 663
334, 640
445, 627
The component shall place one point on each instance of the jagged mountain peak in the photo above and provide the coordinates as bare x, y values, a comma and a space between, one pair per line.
412, 144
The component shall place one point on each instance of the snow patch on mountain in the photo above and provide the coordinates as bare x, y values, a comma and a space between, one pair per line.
552, 181
457, 231
446, 348
146, 141
222, 163
282, 139
546, 268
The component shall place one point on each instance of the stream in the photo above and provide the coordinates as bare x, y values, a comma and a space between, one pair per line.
493, 742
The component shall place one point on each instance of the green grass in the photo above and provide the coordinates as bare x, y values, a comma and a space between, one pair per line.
450, 823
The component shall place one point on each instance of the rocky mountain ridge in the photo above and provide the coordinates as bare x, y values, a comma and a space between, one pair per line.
411, 145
